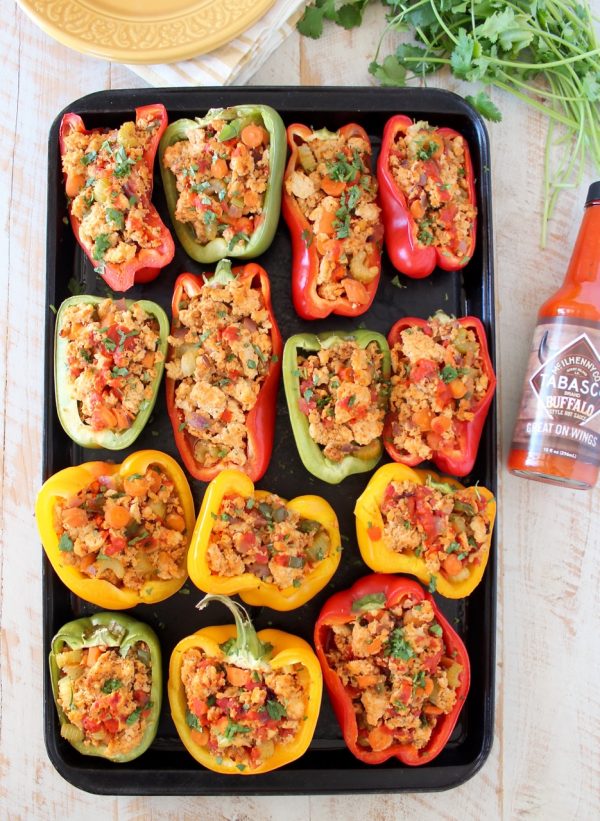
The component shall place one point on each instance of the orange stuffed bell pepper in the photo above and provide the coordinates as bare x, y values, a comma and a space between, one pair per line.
413, 521
244, 702
118, 535
270, 551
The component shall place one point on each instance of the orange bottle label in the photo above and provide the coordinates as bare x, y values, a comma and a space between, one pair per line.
560, 408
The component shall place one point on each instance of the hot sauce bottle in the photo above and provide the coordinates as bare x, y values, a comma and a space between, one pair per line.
557, 432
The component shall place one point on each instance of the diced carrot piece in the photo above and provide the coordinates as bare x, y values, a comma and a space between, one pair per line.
74, 184
428, 686
219, 168
452, 565
123, 420
422, 419
457, 388
92, 656
326, 224
355, 291
366, 680
432, 709
333, 187
148, 360
135, 487
379, 739
374, 646
441, 424
175, 522
416, 209
116, 516
253, 135
237, 676
251, 199
74, 517
200, 737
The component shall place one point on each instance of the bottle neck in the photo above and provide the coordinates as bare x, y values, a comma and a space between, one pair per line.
584, 266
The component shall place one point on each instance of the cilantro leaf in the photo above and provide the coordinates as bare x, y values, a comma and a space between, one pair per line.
389, 73
482, 103
462, 55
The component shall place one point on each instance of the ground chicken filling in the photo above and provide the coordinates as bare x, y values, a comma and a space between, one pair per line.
393, 665
111, 361
264, 537
449, 528
429, 169
111, 184
344, 394
336, 192
242, 715
222, 173
220, 355
105, 696
438, 379
127, 530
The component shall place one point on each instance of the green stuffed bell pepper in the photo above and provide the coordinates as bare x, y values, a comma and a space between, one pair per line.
109, 357
106, 680
337, 390
222, 176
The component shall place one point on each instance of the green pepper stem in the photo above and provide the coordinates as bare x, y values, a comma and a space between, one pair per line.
223, 274
247, 650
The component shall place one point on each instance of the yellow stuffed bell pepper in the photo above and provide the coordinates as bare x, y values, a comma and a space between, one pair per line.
117, 534
244, 702
270, 551
434, 528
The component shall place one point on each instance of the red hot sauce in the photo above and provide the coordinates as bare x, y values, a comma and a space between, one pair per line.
557, 432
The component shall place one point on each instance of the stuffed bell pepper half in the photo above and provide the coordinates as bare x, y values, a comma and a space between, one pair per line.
108, 177
222, 178
432, 527
109, 359
427, 191
118, 535
397, 673
330, 206
337, 390
443, 383
106, 678
244, 702
223, 370
273, 552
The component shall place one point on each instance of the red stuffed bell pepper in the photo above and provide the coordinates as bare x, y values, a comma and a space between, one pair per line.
443, 383
223, 370
428, 198
330, 206
108, 178
397, 673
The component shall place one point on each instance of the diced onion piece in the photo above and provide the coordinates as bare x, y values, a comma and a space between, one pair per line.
188, 362
159, 508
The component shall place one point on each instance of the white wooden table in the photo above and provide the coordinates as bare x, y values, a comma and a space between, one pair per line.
545, 762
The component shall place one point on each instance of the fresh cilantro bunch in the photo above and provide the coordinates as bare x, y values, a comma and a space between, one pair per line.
545, 52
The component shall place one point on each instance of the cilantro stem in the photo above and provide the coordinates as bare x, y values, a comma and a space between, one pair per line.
442, 24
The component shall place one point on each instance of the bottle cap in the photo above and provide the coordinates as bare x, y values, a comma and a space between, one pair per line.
593, 194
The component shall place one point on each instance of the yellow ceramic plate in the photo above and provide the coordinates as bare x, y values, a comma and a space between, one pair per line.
144, 31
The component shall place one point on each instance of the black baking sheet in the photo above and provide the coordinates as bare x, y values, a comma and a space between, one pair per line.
327, 767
